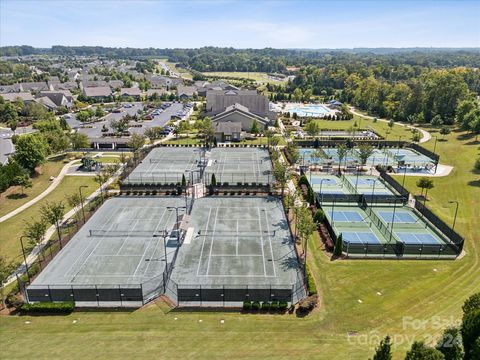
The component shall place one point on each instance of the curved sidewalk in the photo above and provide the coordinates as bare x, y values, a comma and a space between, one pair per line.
425, 134
39, 197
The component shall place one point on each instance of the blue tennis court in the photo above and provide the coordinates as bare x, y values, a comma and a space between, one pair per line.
417, 238
324, 181
346, 216
400, 217
367, 182
362, 237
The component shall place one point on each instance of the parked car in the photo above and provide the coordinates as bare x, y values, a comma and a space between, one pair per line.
117, 111
148, 117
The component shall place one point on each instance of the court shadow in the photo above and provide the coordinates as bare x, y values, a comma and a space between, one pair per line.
290, 263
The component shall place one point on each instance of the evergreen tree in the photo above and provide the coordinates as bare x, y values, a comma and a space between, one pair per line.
337, 251
384, 350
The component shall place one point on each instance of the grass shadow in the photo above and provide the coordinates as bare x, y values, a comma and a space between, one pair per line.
475, 183
16, 196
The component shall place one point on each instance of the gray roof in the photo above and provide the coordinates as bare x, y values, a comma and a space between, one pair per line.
57, 96
10, 88
130, 91
242, 110
186, 90
34, 86
25, 96
228, 127
102, 91
96, 83
219, 101
69, 85
45, 101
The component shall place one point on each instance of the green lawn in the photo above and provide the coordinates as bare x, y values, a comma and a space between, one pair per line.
11, 229
380, 127
428, 291
12, 198
260, 77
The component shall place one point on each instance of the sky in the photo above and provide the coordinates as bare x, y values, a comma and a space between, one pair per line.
241, 24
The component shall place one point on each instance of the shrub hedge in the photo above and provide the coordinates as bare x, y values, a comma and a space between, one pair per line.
49, 307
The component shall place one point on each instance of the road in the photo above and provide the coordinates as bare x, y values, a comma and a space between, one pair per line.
6, 145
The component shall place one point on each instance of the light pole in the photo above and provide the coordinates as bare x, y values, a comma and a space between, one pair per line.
81, 200
456, 212
373, 190
321, 194
176, 212
24, 256
435, 145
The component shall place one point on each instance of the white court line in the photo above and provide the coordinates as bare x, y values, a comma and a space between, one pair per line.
203, 243
93, 250
237, 276
270, 241
261, 239
213, 240
231, 255
86, 247
127, 237
148, 245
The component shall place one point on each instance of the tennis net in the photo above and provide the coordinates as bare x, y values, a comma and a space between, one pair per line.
239, 234
116, 233
170, 161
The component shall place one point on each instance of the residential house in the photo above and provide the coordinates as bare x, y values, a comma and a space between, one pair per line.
93, 83
45, 101
15, 88
26, 97
59, 98
135, 93
69, 85
115, 84
186, 92
100, 93
159, 92
35, 86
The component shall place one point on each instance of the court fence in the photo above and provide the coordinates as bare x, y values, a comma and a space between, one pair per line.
393, 183
231, 295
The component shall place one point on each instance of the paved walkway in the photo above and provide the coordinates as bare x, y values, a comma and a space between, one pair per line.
39, 197
51, 231
425, 134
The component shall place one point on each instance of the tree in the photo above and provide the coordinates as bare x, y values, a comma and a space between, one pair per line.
419, 351
293, 152
31, 151
136, 142
317, 155
470, 331
437, 121
338, 248
281, 174
450, 344
23, 181
416, 136
274, 141
445, 130
206, 130
364, 152
471, 304
52, 213
6, 268
297, 94
35, 231
99, 112
79, 141
184, 181
213, 182
13, 125
341, 154
254, 129
120, 126
424, 183
474, 126
312, 128
306, 226
8, 113
391, 123
384, 350
74, 201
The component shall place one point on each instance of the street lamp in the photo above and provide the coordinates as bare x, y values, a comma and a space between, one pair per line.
81, 200
435, 145
321, 194
24, 256
456, 212
373, 190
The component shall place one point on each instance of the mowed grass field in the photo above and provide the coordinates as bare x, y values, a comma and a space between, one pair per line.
405, 299
11, 229
259, 77
12, 199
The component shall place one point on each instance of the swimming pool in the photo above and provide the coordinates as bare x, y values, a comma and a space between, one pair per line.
310, 110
